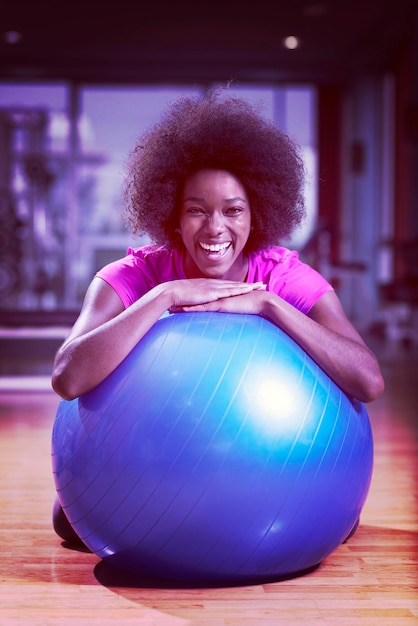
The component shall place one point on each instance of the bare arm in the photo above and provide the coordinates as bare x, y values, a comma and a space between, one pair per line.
332, 341
105, 332
325, 334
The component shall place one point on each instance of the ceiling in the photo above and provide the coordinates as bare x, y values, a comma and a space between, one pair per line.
214, 41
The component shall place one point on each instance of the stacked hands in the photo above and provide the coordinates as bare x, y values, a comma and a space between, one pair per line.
224, 296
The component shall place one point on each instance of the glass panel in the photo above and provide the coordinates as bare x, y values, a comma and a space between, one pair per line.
300, 124
33, 179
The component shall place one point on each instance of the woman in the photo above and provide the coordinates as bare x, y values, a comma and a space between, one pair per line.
216, 187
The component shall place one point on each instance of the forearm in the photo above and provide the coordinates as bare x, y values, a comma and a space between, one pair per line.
87, 359
346, 359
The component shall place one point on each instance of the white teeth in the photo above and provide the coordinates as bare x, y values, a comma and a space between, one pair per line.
215, 247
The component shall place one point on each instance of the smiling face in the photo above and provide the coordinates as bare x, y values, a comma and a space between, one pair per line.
215, 222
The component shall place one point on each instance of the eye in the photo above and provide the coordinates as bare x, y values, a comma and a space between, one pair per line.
194, 210
234, 210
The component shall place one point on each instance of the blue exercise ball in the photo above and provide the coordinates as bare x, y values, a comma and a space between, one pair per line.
217, 452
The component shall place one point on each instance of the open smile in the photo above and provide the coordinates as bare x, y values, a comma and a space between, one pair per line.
215, 248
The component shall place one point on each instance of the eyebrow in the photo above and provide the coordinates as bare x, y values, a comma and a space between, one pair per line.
197, 199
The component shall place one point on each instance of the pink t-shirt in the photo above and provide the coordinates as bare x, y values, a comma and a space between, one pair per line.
278, 268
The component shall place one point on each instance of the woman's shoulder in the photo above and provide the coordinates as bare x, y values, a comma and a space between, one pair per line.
273, 256
285, 274
164, 263
140, 270
148, 256
148, 253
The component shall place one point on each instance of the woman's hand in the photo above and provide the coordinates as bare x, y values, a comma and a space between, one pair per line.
208, 294
250, 301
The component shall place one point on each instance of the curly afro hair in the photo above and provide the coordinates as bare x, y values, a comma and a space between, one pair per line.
221, 133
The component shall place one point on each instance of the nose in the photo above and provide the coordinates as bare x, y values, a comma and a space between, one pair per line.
215, 223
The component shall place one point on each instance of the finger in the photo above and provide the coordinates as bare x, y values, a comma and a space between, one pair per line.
189, 307
238, 288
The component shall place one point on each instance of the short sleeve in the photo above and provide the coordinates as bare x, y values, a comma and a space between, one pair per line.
285, 274
141, 270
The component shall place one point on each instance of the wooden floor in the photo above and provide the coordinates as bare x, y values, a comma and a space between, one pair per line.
372, 580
